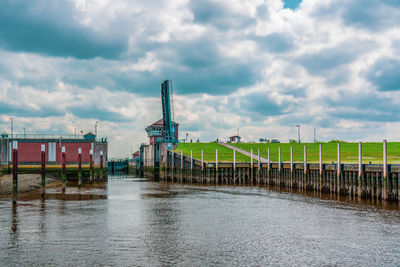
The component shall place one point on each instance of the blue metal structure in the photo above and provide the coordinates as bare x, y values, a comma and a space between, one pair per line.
169, 129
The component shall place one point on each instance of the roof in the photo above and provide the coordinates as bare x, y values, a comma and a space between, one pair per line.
89, 133
160, 123
235, 136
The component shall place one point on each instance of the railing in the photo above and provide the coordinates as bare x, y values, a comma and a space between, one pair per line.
49, 136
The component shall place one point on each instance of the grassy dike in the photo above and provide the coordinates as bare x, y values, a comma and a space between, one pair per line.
372, 152
224, 154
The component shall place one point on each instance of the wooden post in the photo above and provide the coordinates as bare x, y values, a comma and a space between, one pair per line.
173, 166
279, 166
91, 172
269, 168
191, 166
251, 166
360, 180
43, 171
202, 166
291, 167
258, 167
320, 167
181, 171
15, 170
385, 172
63, 170
216, 166
79, 167
101, 165
305, 168
339, 171
234, 165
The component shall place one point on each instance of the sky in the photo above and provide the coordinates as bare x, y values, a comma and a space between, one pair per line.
263, 66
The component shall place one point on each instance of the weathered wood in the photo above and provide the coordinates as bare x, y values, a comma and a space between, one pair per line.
15, 170
79, 167
338, 173
63, 170
385, 172
43, 170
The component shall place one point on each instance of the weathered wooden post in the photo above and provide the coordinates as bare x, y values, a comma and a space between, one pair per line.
181, 169
101, 165
15, 170
305, 168
320, 168
216, 166
79, 167
202, 166
291, 167
360, 176
339, 171
63, 170
258, 167
91, 172
279, 166
385, 172
251, 166
43, 170
191, 166
234, 166
269, 167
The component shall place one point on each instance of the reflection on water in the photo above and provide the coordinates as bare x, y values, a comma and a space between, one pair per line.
132, 221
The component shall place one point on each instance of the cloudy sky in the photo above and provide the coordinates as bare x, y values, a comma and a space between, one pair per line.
259, 65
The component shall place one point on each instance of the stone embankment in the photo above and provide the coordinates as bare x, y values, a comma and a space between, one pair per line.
26, 183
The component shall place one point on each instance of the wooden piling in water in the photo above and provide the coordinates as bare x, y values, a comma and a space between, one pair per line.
15, 170
279, 167
181, 169
43, 169
385, 172
258, 167
63, 170
91, 171
216, 167
191, 166
79, 167
339, 172
305, 169
251, 167
360, 171
320, 168
101, 165
269, 167
291, 167
202, 166
234, 166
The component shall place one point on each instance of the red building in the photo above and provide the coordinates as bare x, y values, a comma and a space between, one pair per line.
29, 149
155, 130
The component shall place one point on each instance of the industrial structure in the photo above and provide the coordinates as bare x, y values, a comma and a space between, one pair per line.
163, 134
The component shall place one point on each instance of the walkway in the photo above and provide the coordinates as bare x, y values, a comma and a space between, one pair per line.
244, 152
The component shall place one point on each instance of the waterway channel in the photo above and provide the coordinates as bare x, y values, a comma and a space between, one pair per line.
132, 221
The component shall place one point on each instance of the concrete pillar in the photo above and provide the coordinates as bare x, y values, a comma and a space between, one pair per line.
385, 172
43, 170
339, 170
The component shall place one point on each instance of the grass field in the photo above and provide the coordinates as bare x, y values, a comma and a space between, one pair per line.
224, 154
372, 152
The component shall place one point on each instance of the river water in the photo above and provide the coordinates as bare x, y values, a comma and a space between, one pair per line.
134, 222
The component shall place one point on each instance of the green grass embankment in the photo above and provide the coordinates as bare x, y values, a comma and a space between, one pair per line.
371, 152
224, 154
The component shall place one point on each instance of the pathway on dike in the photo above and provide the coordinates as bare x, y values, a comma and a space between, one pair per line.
244, 152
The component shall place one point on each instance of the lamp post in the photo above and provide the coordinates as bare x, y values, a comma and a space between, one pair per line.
12, 127
95, 128
298, 128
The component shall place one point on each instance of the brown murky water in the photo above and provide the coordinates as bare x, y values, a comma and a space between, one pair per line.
131, 221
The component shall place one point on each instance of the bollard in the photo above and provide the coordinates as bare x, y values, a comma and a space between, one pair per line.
63, 170
101, 165
216, 166
15, 170
339, 173
43, 172
91, 172
79, 167
360, 180
385, 172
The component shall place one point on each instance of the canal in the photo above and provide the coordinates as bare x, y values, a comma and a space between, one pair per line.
135, 222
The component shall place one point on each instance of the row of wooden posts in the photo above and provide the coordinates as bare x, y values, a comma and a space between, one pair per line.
380, 181
43, 169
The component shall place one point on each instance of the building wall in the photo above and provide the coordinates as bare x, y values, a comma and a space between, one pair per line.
29, 151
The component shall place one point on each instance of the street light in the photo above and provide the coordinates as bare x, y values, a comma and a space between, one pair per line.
187, 134
298, 128
12, 127
95, 128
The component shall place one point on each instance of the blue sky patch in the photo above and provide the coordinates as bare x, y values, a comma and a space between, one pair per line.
291, 4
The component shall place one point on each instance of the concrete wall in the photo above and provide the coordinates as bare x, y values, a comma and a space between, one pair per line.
3, 151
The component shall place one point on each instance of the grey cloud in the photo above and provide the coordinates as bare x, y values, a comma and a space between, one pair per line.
50, 29
385, 74
277, 43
